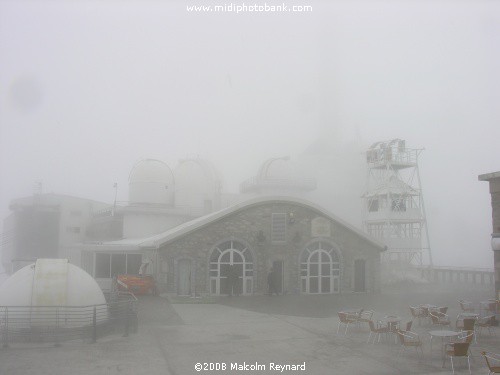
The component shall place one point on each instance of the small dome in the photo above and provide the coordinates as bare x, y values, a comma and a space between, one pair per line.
151, 182
279, 175
279, 169
51, 282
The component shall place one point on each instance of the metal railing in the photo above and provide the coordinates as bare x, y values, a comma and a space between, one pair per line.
62, 323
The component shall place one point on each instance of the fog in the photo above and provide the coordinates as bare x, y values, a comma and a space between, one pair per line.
89, 88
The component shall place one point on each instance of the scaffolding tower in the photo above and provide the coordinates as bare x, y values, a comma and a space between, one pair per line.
394, 210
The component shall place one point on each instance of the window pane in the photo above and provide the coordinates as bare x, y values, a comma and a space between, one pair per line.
134, 262
314, 257
313, 285
325, 285
325, 269
118, 264
226, 257
102, 264
313, 269
237, 257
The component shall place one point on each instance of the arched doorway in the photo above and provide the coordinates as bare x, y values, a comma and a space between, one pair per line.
320, 269
227, 255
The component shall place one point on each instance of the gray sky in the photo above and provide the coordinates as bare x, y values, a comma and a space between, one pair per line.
89, 88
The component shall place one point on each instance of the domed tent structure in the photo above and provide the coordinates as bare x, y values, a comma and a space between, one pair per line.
47, 292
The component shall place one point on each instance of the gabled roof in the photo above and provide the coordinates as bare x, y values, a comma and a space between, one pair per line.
156, 241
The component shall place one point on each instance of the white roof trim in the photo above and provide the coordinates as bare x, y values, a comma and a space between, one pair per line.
170, 235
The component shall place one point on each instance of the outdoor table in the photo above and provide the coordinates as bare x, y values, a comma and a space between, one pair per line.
352, 312
488, 306
444, 334
391, 322
469, 315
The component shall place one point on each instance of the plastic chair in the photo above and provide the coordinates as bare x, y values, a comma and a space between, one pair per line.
485, 322
439, 318
466, 306
492, 361
365, 316
465, 323
408, 325
417, 312
376, 332
455, 350
467, 336
346, 319
409, 339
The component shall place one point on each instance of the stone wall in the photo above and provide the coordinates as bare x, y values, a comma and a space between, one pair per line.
252, 227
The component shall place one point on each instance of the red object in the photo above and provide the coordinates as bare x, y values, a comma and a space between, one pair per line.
136, 284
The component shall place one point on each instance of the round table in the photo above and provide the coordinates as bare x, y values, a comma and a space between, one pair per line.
468, 315
391, 322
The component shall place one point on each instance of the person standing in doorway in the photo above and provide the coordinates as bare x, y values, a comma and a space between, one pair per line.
232, 280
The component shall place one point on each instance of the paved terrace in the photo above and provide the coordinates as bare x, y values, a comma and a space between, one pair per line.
290, 329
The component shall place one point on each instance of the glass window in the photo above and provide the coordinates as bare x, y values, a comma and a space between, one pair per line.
118, 264
313, 285
134, 262
226, 257
325, 285
102, 265
325, 269
313, 269
373, 205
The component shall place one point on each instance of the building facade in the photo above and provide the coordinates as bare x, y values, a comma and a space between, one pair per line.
494, 181
311, 250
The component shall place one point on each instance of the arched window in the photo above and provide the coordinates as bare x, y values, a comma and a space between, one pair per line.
227, 255
320, 269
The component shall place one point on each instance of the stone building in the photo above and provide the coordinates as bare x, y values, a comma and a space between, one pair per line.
494, 180
179, 226
311, 251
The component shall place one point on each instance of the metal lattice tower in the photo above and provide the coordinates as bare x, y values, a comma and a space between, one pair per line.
394, 209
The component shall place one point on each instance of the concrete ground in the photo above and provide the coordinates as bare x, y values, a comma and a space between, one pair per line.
258, 330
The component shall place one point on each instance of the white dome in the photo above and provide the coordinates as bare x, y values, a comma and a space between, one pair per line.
278, 169
279, 175
51, 282
151, 182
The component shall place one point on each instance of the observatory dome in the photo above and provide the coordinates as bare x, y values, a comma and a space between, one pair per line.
279, 175
51, 282
279, 169
151, 182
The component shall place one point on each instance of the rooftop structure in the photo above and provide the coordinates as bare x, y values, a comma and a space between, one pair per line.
394, 207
